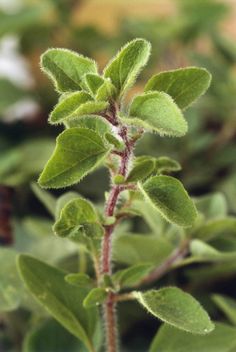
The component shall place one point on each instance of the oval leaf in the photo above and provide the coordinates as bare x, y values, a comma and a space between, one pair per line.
177, 308
125, 67
69, 107
169, 197
184, 85
76, 213
95, 297
62, 300
78, 152
66, 68
156, 111
165, 164
141, 170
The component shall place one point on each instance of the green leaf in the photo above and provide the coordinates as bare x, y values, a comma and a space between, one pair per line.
66, 68
78, 152
93, 82
177, 308
46, 198
216, 228
133, 275
78, 279
114, 141
77, 215
227, 305
62, 300
10, 94
92, 122
50, 336
135, 249
125, 67
63, 200
157, 112
75, 105
212, 206
69, 107
95, 297
141, 170
100, 88
184, 85
165, 164
169, 197
11, 290
169, 339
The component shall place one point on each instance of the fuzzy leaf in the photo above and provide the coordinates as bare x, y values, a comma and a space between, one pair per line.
177, 308
63, 200
92, 122
141, 170
157, 112
132, 275
93, 82
169, 197
165, 164
77, 215
114, 141
66, 68
125, 67
216, 228
62, 300
69, 107
184, 85
95, 297
169, 339
78, 152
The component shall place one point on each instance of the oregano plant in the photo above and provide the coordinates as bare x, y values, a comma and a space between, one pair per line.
100, 129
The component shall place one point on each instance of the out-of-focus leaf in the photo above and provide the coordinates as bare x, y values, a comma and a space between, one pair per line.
62, 300
227, 305
169, 339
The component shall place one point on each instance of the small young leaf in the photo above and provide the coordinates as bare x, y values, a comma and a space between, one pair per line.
74, 216
156, 111
62, 300
78, 152
66, 68
78, 279
169, 339
177, 308
69, 107
141, 170
106, 92
125, 67
132, 275
184, 85
63, 200
169, 197
227, 305
165, 164
93, 82
95, 297
114, 141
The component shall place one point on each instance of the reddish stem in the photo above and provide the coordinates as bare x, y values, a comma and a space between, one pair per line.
106, 267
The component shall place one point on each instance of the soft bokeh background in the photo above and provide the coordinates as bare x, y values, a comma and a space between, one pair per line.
182, 32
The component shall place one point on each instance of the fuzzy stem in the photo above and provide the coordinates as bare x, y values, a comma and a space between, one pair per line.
106, 267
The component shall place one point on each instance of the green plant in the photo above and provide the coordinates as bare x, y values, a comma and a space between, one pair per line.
101, 130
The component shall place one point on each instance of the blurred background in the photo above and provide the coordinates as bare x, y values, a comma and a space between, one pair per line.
182, 33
